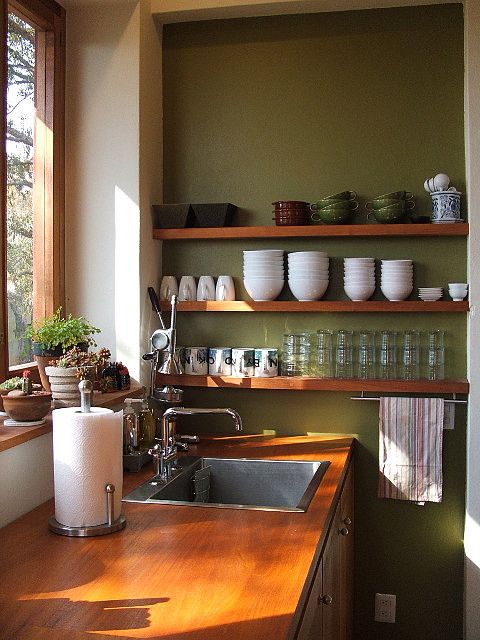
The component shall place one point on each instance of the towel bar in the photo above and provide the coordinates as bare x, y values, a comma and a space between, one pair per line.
362, 396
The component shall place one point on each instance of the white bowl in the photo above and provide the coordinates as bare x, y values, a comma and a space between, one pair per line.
355, 270
307, 290
272, 261
358, 260
358, 293
399, 262
260, 289
396, 293
430, 298
308, 263
362, 282
309, 272
264, 252
247, 273
298, 254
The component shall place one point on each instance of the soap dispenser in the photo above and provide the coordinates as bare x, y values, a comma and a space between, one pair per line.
131, 431
147, 426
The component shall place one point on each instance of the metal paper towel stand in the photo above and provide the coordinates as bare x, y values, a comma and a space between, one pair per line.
111, 525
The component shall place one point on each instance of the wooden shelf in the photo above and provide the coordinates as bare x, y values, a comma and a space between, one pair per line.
353, 230
455, 385
325, 306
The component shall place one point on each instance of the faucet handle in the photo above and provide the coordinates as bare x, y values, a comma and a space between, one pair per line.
156, 453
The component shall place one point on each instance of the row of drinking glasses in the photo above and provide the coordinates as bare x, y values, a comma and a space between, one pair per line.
388, 355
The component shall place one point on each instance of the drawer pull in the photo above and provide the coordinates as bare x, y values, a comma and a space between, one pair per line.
347, 521
325, 599
344, 531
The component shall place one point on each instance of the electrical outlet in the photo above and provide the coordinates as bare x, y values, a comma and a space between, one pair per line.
385, 605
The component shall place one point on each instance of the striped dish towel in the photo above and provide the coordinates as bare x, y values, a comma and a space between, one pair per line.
410, 449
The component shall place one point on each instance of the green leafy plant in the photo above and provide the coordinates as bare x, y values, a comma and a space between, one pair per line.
76, 358
55, 331
11, 384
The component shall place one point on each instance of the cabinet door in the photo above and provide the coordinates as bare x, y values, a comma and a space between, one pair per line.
345, 532
311, 627
331, 599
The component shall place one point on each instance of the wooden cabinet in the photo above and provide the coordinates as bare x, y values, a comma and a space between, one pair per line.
328, 612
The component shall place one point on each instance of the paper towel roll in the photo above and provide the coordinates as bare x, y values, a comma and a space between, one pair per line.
87, 455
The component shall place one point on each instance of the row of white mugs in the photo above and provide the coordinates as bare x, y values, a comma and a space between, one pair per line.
206, 289
239, 362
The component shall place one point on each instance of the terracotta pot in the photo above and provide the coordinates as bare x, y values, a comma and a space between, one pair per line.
27, 408
3, 392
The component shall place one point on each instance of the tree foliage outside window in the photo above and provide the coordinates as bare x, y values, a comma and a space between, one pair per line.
20, 140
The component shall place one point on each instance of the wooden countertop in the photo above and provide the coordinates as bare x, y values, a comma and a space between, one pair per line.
174, 572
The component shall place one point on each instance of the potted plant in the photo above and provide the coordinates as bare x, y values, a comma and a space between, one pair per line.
65, 373
9, 385
53, 336
27, 404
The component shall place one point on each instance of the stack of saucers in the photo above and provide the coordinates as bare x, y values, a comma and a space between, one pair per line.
397, 279
263, 274
359, 278
430, 294
308, 274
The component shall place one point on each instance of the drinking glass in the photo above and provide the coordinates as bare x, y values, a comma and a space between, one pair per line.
411, 355
344, 354
295, 354
387, 357
436, 354
322, 354
367, 361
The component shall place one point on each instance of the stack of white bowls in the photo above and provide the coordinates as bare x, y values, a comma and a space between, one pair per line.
359, 278
397, 279
430, 294
308, 274
263, 274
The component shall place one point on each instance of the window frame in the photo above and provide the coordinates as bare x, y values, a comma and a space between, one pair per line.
49, 160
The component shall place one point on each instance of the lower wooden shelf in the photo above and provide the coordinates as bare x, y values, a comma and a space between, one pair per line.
452, 385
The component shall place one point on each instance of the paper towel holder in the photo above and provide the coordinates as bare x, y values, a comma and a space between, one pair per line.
85, 387
92, 530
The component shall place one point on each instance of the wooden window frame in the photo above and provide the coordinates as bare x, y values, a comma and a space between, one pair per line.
49, 163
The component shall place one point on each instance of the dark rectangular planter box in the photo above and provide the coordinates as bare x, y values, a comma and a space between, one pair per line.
172, 216
213, 214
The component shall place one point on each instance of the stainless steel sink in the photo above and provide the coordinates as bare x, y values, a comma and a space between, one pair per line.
236, 483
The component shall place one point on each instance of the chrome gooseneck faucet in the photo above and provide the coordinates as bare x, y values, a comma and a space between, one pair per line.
165, 454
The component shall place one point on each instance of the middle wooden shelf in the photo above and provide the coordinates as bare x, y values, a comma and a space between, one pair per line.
326, 306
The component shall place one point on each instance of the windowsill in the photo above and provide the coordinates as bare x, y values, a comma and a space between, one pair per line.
12, 436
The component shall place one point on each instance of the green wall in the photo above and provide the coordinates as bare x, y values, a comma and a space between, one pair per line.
297, 107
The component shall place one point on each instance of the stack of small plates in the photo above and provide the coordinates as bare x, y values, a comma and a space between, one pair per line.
430, 294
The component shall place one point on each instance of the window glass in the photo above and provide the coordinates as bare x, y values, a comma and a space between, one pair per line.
20, 135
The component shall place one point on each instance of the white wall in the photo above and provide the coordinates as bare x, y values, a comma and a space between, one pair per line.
26, 477
472, 135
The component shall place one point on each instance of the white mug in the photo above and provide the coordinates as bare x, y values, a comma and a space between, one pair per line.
266, 363
220, 361
195, 360
243, 362
187, 289
168, 287
225, 289
206, 288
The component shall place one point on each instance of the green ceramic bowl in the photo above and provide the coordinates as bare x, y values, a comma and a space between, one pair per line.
380, 203
342, 196
331, 215
390, 214
396, 195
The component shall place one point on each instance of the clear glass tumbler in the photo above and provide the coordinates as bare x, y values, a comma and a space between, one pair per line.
366, 361
344, 354
411, 355
322, 354
387, 356
436, 354
295, 354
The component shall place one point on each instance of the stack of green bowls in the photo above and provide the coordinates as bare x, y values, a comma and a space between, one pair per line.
390, 207
334, 209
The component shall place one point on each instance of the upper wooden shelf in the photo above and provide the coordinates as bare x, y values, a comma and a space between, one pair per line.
326, 306
308, 231
454, 385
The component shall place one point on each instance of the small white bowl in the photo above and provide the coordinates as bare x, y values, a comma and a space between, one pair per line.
359, 293
396, 293
306, 290
298, 254
261, 289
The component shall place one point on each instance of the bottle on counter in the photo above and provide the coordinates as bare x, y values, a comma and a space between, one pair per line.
147, 426
131, 429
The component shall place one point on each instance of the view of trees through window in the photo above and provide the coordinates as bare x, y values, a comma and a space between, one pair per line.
19, 144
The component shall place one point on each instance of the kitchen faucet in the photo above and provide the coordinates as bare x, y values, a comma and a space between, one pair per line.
164, 454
